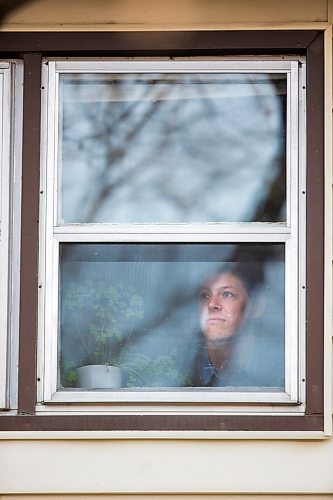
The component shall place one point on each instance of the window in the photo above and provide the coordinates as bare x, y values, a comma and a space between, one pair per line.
10, 80
166, 180
174, 245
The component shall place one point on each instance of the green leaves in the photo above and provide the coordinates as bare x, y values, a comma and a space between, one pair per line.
68, 374
160, 371
103, 323
102, 318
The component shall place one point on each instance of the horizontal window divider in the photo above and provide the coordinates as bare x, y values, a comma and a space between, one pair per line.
206, 228
149, 237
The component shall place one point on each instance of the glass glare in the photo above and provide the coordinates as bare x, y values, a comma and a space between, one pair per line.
172, 148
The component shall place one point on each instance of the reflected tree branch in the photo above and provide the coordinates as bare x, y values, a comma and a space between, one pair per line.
8, 6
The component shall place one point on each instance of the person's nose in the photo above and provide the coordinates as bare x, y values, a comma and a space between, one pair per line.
214, 303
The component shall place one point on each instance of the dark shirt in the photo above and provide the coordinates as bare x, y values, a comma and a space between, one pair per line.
247, 368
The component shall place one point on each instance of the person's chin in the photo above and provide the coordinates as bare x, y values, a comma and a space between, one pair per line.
218, 336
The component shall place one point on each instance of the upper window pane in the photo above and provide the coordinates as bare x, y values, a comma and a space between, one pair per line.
145, 148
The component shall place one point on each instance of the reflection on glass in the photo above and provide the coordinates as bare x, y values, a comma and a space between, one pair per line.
174, 315
143, 148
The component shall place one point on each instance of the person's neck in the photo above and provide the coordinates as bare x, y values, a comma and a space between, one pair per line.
219, 353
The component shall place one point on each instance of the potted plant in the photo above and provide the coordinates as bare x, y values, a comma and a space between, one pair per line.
99, 320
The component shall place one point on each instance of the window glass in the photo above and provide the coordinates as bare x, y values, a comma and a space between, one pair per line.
144, 148
172, 315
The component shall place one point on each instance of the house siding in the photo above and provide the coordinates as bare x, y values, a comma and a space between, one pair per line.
161, 467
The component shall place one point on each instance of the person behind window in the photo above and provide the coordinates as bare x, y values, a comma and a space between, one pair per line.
228, 354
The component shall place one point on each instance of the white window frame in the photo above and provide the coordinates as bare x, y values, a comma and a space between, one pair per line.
11, 77
291, 233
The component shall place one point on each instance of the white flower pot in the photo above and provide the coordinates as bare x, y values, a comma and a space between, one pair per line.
98, 377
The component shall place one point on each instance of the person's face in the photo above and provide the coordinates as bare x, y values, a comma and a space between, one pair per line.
223, 301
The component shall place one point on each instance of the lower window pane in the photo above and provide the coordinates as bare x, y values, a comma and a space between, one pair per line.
160, 316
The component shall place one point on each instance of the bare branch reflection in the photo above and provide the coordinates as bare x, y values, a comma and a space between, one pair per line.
173, 148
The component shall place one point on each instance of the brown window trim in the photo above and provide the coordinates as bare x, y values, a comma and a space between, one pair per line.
31, 47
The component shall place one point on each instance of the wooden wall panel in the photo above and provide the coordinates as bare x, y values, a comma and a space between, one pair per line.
112, 14
163, 466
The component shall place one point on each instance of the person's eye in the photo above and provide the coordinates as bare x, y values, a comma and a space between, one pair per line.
204, 295
227, 294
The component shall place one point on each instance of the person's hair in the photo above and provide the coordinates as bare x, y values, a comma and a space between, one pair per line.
249, 273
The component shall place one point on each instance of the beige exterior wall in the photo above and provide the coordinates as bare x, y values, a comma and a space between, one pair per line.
157, 466
292, 467
173, 14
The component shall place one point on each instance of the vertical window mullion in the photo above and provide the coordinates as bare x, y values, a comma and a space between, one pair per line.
315, 228
292, 246
29, 233
48, 244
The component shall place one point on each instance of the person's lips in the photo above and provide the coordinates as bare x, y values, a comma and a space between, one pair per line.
214, 319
